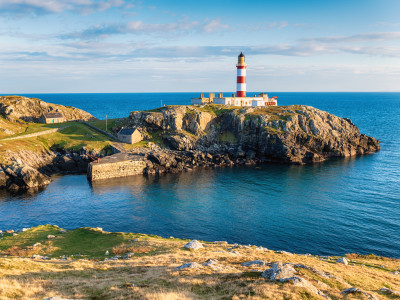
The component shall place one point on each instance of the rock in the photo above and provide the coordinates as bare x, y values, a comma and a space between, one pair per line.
36, 244
194, 245
390, 292
31, 109
50, 236
254, 262
10, 231
107, 253
260, 248
284, 252
215, 265
191, 265
180, 141
357, 291
24, 229
128, 255
343, 260
62, 231
279, 272
3, 179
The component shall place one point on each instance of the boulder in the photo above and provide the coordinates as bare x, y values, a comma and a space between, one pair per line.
390, 292
180, 141
194, 245
128, 255
254, 262
3, 179
191, 265
279, 272
343, 260
32, 178
50, 236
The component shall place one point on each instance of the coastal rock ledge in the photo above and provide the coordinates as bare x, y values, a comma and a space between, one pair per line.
296, 134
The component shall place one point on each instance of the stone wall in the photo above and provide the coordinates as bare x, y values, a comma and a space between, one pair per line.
35, 134
101, 131
105, 170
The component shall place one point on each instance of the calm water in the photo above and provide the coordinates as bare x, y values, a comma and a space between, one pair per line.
336, 207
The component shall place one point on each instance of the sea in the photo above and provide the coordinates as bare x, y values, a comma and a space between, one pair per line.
339, 206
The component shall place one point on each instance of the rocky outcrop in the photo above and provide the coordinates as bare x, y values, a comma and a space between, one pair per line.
30, 109
31, 170
293, 134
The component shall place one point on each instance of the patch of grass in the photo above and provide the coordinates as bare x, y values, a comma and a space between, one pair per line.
227, 137
111, 124
217, 109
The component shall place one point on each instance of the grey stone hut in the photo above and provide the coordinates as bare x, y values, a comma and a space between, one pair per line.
130, 135
50, 118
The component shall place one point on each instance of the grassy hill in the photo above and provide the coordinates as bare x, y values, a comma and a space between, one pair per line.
74, 264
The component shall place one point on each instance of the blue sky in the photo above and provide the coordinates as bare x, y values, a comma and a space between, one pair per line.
50, 46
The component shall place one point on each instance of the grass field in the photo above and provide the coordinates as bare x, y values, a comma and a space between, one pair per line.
111, 123
75, 268
74, 137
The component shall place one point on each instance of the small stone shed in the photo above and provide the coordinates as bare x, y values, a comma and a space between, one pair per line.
130, 135
50, 118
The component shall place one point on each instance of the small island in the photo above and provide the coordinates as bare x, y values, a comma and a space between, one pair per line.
166, 139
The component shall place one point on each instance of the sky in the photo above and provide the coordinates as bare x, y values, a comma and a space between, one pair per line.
121, 46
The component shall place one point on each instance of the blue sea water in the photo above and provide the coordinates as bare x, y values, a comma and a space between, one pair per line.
335, 207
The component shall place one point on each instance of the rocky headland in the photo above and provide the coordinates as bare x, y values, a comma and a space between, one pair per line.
177, 138
17, 108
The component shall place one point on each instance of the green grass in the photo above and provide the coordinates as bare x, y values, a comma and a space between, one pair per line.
216, 109
72, 138
227, 137
111, 123
90, 242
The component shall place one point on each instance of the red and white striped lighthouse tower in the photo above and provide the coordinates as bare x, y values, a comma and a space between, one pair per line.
241, 76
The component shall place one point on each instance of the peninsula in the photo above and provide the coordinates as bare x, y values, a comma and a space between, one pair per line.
167, 139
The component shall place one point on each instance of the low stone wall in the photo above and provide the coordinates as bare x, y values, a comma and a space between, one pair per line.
101, 131
39, 133
113, 167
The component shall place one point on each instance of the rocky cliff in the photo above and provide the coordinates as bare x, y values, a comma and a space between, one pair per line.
30, 109
292, 134
180, 138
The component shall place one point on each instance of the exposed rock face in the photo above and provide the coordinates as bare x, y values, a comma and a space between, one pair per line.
30, 170
30, 109
293, 134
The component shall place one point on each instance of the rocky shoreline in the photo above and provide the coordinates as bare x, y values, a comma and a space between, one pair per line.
177, 138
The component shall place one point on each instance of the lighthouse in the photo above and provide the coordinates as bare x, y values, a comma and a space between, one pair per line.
241, 76
240, 99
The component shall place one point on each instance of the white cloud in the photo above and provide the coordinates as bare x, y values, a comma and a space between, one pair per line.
139, 27
38, 7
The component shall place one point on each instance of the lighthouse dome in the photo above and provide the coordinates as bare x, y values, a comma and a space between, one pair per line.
241, 54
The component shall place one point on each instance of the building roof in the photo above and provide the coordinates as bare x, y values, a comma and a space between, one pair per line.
55, 115
127, 131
